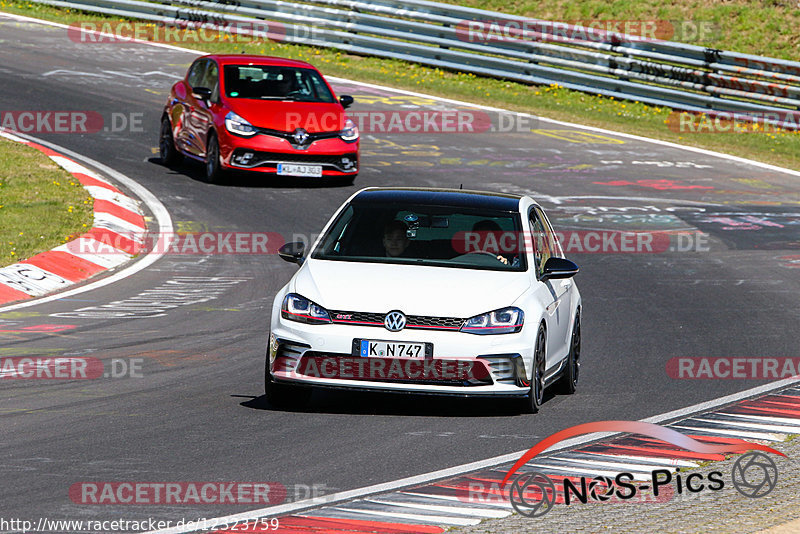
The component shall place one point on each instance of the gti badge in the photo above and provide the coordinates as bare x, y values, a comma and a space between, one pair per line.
300, 136
394, 321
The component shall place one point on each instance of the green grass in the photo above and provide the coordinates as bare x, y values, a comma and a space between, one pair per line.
778, 148
41, 205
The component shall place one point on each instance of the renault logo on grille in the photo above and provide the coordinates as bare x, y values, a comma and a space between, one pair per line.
300, 136
394, 321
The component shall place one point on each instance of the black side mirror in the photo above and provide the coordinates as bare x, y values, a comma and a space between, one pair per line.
559, 268
293, 252
202, 93
346, 101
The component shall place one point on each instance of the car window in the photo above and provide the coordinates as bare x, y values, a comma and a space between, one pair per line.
211, 79
196, 72
269, 82
555, 245
542, 242
425, 235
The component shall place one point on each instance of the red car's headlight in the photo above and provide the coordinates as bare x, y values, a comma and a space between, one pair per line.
350, 132
237, 125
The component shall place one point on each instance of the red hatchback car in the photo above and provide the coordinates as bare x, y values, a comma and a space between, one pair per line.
262, 114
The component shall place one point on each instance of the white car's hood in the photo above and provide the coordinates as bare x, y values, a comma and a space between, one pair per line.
414, 290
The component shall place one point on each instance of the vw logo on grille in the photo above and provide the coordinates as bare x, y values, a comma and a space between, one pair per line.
300, 136
394, 321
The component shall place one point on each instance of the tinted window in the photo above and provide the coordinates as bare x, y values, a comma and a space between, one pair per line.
543, 241
425, 235
196, 73
265, 82
211, 79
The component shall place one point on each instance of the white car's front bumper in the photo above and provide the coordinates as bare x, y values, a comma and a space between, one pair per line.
501, 363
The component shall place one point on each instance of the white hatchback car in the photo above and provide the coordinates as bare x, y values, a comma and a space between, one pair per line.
428, 291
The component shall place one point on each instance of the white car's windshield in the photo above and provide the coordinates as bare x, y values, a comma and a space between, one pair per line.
425, 235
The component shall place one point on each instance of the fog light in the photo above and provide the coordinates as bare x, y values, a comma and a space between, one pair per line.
243, 158
347, 164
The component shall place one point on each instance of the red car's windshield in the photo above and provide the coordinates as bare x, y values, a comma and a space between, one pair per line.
267, 82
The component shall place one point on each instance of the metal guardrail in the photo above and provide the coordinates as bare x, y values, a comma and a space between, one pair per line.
660, 73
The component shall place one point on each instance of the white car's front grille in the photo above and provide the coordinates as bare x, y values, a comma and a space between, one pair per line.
423, 322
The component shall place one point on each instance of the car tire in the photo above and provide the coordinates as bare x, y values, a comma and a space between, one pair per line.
280, 395
568, 382
213, 168
166, 144
533, 401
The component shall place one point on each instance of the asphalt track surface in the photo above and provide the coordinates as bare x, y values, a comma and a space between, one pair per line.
196, 413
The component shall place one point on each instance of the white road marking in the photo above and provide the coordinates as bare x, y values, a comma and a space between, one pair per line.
96, 252
452, 498
101, 193
754, 425
743, 434
463, 510
656, 460
111, 222
768, 418
619, 466
582, 470
429, 519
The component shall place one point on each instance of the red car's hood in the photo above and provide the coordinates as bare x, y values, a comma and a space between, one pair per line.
288, 116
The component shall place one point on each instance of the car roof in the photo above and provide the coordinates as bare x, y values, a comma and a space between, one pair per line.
441, 197
253, 59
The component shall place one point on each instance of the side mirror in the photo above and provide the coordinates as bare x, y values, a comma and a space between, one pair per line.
293, 252
559, 268
202, 93
346, 101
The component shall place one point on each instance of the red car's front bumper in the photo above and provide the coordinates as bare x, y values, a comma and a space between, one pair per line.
263, 153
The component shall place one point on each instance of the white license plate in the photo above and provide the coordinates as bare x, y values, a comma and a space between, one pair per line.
388, 349
290, 169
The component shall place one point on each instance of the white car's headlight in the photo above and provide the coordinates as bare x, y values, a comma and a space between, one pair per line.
350, 131
504, 321
237, 125
302, 310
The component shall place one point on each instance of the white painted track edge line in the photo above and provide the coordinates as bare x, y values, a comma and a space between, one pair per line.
163, 222
453, 498
429, 519
488, 513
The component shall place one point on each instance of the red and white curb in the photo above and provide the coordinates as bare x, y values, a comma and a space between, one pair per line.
116, 235
471, 494
471, 498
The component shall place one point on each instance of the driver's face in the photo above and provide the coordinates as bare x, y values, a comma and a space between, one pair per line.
395, 243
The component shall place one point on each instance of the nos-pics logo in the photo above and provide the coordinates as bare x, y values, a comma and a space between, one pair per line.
533, 493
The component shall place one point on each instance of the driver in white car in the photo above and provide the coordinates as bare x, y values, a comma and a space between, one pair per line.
395, 238
490, 226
